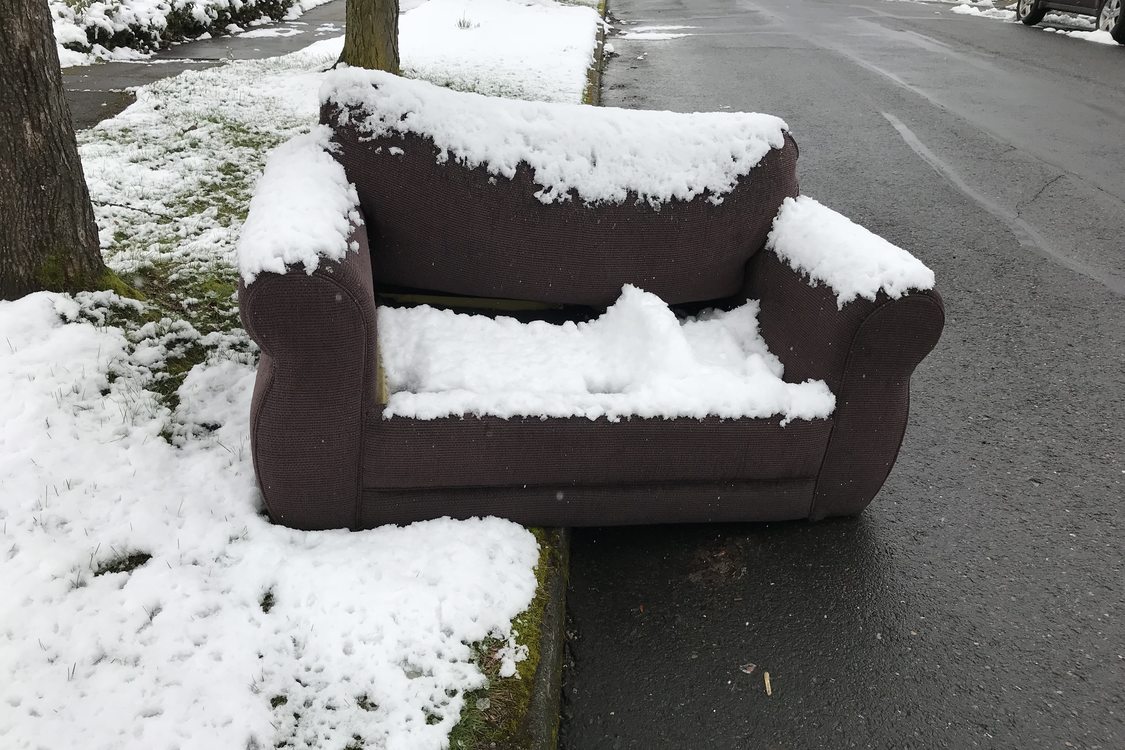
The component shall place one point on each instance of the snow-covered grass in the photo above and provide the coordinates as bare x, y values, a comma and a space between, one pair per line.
89, 30
148, 602
527, 50
171, 176
636, 359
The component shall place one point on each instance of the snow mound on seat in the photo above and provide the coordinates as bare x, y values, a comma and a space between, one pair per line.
302, 210
834, 250
636, 360
602, 154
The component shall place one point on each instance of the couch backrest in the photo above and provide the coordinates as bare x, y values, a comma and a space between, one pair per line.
450, 209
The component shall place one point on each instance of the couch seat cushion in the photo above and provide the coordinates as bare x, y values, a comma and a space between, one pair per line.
636, 360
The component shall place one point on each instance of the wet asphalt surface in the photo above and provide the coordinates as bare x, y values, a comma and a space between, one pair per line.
978, 601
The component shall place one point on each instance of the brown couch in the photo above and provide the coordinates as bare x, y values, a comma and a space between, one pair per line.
326, 458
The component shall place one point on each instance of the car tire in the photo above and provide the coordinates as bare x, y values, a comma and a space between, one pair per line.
1111, 18
1030, 12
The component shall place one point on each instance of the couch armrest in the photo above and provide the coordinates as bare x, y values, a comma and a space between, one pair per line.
865, 350
316, 380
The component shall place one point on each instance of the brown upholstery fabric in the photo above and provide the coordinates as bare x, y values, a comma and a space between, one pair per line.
866, 353
315, 383
325, 458
597, 505
506, 243
493, 452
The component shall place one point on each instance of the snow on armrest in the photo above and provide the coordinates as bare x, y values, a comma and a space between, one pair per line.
813, 239
302, 211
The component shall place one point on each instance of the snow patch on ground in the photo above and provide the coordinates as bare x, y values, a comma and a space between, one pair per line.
636, 360
1097, 35
655, 33
267, 33
995, 13
599, 153
1069, 19
833, 250
224, 614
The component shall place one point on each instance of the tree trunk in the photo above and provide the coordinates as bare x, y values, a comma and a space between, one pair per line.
48, 238
371, 35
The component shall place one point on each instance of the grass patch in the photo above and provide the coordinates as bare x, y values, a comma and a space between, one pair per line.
124, 563
495, 717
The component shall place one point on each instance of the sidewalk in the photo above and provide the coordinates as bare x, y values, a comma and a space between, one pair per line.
97, 92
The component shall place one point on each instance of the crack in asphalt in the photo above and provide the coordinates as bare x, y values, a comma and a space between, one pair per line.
1024, 204
1025, 233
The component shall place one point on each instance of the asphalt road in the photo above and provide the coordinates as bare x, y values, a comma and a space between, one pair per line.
978, 601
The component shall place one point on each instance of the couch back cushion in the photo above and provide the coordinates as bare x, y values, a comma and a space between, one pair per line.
488, 197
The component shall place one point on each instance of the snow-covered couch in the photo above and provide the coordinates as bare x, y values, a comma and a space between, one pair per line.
678, 244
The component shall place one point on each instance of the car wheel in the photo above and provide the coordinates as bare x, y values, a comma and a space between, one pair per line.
1112, 19
1031, 12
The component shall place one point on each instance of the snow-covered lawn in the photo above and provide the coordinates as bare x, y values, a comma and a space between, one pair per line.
148, 603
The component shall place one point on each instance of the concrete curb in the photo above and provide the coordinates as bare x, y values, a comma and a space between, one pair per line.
593, 92
541, 723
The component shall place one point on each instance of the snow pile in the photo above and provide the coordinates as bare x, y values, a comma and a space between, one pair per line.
636, 359
147, 603
538, 50
1097, 35
833, 250
599, 153
1088, 23
994, 13
303, 209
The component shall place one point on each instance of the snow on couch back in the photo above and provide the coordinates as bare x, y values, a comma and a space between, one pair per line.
561, 203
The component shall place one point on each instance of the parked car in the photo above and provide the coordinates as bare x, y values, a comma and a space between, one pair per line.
1107, 12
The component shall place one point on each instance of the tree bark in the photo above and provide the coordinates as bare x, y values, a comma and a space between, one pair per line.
371, 35
48, 238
